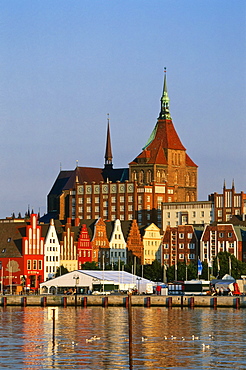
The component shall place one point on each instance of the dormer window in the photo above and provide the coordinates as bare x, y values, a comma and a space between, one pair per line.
3, 250
9, 240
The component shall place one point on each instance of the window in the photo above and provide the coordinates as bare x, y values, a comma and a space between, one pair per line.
202, 213
148, 198
166, 256
181, 245
34, 264
28, 264
96, 199
181, 256
130, 208
122, 208
139, 199
80, 200
88, 209
191, 256
88, 200
229, 235
194, 214
168, 214
40, 264
113, 199
181, 235
122, 199
190, 235
191, 245
221, 235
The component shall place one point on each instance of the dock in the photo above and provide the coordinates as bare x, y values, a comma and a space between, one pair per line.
122, 300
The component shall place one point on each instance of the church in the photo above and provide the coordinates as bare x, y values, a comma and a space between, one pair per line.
161, 172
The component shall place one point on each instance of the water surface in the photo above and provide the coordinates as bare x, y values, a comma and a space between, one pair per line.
162, 338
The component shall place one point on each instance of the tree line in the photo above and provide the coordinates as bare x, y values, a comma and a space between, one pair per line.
224, 263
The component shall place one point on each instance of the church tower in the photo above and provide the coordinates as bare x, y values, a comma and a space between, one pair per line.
164, 161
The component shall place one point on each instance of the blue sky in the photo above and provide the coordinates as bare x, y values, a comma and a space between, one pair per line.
65, 64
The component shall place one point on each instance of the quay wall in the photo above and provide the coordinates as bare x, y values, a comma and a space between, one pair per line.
122, 300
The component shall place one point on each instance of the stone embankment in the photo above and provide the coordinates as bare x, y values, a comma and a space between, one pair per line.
123, 300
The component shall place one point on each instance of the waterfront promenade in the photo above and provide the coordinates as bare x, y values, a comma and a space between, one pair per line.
123, 300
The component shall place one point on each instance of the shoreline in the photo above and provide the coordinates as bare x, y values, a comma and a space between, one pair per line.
123, 300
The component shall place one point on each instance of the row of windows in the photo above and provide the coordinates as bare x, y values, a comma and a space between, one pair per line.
52, 258
181, 246
181, 256
84, 253
194, 214
34, 265
52, 249
97, 200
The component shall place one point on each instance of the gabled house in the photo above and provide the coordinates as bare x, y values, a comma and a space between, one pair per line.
180, 244
33, 254
152, 244
117, 244
52, 252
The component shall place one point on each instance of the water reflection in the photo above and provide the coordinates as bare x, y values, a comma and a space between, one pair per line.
162, 338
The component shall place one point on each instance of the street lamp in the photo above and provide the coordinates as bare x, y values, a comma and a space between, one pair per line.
76, 278
138, 279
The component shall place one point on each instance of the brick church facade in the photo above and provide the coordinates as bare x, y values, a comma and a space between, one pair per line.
162, 172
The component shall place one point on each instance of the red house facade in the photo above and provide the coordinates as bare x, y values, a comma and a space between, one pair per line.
84, 247
33, 255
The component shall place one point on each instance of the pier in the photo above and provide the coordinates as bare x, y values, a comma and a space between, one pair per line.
122, 300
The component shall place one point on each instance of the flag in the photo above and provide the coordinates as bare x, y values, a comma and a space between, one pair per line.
199, 267
218, 261
229, 265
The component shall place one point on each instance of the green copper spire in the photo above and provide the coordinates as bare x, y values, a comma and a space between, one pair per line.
164, 113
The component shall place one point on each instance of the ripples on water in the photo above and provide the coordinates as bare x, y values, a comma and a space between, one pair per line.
26, 338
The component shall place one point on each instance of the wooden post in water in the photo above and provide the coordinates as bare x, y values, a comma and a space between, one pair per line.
182, 301
24, 301
215, 303
44, 301
191, 302
127, 302
85, 302
105, 302
65, 301
4, 301
130, 329
169, 302
237, 303
54, 326
148, 303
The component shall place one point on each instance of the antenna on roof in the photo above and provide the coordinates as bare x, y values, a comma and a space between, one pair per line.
60, 166
77, 163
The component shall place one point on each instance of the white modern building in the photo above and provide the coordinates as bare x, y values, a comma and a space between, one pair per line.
187, 213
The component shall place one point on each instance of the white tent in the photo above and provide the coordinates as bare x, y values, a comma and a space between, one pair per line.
89, 280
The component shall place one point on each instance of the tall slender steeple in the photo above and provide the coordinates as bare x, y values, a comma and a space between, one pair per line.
108, 152
164, 113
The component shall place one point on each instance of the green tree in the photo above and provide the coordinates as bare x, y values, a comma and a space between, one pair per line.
89, 266
238, 268
61, 271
